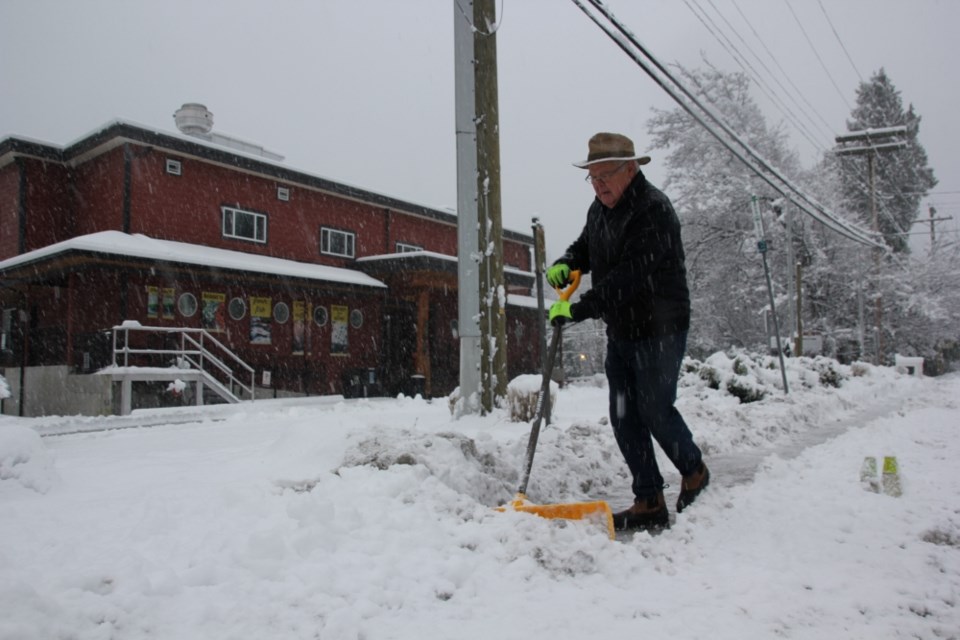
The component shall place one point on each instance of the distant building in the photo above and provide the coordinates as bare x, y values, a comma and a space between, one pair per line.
321, 287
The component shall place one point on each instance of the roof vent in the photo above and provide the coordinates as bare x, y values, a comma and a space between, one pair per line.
194, 119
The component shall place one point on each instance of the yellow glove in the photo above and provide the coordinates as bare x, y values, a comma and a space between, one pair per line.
558, 275
560, 312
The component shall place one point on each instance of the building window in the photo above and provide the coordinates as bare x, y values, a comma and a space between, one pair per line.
356, 318
283, 194
187, 305
336, 243
237, 308
173, 167
6, 335
320, 316
244, 225
281, 312
403, 247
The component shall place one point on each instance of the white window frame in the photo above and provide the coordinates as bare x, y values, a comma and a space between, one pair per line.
283, 194
229, 224
237, 309
281, 312
406, 247
187, 305
347, 238
174, 167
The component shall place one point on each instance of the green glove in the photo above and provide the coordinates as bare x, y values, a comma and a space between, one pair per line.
560, 312
558, 275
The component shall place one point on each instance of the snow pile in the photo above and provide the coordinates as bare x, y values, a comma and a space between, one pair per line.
373, 519
523, 394
24, 461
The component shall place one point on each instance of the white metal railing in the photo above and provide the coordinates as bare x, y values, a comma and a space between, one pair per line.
197, 349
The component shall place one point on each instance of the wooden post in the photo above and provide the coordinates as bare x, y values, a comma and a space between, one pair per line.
422, 357
799, 345
493, 361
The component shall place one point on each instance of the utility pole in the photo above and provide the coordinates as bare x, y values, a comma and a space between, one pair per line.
870, 142
468, 267
482, 317
933, 220
933, 228
799, 345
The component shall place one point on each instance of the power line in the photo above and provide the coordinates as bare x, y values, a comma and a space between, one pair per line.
834, 29
886, 214
631, 46
817, 54
783, 71
786, 110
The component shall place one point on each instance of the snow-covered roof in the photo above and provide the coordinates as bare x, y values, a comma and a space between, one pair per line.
141, 246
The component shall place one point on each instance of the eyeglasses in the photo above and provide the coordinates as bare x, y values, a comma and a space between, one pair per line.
603, 177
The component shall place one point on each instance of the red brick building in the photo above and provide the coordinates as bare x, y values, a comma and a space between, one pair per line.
309, 281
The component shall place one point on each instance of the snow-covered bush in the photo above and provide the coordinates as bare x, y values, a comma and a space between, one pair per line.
751, 377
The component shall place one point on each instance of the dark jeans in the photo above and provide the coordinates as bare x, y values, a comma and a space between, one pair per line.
643, 375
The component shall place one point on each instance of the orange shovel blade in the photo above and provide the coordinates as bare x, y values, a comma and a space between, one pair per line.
598, 511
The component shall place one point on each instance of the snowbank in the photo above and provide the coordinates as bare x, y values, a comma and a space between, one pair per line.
372, 519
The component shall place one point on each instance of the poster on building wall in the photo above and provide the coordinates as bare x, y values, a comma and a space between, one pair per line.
261, 312
299, 327
339, 337
213, 311
153, 302
168, 303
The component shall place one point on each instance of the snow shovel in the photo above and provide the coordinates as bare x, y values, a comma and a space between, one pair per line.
597, 510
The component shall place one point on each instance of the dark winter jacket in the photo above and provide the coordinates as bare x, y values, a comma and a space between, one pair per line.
635, 256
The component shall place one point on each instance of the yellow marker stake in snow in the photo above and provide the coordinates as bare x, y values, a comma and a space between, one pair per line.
890, 481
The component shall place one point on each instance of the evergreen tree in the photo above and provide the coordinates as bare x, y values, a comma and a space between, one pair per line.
902, 177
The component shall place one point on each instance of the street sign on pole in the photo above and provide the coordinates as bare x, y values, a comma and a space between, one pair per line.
762, 248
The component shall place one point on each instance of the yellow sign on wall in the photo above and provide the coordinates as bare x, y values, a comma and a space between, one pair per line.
339, 328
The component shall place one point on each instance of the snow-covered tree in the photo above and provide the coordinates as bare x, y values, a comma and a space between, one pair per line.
711, 191
902, 176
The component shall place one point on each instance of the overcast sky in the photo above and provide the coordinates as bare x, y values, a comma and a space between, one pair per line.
362, 91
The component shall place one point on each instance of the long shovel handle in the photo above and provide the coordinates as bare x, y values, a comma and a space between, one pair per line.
545, 386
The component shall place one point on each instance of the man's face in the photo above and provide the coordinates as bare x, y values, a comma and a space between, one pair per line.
610, 179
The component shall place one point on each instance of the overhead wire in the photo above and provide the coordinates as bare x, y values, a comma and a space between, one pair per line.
764, 86
783, 71
860, 171
817, 54
731, 140
839, 40
860, 176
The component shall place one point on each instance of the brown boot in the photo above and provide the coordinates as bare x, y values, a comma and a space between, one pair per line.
692, 485
645, 515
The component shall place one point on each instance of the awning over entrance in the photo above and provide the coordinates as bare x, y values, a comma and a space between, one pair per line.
124, 245
427, 261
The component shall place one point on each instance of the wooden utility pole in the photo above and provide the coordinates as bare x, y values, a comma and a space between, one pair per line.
870, 142
878, 309
493, 367
482, 323
799, 344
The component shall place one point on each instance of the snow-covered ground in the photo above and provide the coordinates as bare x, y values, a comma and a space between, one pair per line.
372, 519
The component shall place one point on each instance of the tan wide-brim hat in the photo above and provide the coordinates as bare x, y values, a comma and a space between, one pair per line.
604, 147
